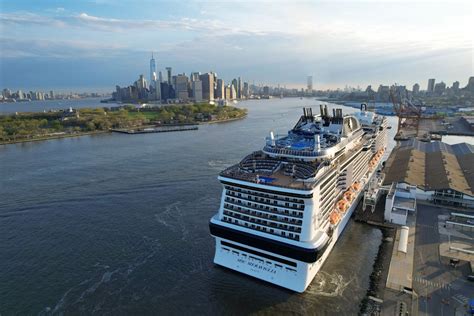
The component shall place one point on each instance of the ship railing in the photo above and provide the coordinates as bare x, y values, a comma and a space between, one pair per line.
236, 173
292, 152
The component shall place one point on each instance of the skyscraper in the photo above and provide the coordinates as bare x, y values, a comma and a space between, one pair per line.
233, 92
141, 82
266, 91
207, 86
239, 89
235, 84
195, 76
152, 71
227, 92
246, 91
220, 89
168, 70
431, 85
455, 86
197, 90
416, 88
310, 84
439, 88
182, 87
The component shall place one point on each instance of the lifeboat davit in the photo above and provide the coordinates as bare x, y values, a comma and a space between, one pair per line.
342, 205
334, 218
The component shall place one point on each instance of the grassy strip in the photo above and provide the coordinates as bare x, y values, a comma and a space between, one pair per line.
39, 126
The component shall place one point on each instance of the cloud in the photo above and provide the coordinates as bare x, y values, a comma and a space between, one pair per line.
19, 48
27, 18
97, 23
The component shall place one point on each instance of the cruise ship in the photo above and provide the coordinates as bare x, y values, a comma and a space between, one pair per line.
284, 207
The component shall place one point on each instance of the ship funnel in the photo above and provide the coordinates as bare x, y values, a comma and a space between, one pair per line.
333, 112
308, 114
321, 109
317, 141
326, 110
272, 138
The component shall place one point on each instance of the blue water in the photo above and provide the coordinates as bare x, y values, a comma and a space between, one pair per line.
118, 224
40, 106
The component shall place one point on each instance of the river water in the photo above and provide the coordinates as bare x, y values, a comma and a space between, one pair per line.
118, 224
46, 105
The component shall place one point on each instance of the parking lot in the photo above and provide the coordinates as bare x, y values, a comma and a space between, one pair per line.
442, 288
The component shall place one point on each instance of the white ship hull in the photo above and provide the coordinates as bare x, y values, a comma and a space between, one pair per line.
293, 278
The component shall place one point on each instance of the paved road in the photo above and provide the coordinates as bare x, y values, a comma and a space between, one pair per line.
442, 290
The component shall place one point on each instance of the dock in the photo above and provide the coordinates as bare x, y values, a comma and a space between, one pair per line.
156, 129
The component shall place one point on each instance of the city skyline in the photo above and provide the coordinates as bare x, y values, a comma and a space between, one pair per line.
103, 43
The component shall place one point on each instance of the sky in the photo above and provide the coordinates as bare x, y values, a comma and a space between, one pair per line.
97, 44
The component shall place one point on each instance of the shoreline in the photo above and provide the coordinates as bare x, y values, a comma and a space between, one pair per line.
38, 139
378, 277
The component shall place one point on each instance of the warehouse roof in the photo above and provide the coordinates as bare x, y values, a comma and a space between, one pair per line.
432, 166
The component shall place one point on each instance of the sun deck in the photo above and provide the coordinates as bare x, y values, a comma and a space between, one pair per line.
261, 168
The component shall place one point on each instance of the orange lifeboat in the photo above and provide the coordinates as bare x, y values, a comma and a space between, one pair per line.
349, 196
342, 205
355, 186
334, 218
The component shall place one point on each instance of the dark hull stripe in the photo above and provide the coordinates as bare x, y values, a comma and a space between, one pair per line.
301, 196
266, 244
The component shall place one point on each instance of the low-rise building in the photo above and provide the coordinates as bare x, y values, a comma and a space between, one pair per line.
400, 202
439, 172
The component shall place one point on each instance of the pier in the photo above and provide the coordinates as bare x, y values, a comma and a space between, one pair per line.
156, 129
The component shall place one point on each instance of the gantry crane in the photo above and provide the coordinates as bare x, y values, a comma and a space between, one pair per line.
409, 115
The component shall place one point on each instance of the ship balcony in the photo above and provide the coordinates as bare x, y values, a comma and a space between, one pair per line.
265, 208
269, 202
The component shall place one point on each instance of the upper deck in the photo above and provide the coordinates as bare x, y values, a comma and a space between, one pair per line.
312, 148
315, 137
258, 167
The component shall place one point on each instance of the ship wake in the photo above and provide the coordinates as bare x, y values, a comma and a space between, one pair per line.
328, 285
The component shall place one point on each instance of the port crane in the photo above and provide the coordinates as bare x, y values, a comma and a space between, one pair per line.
409, 114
